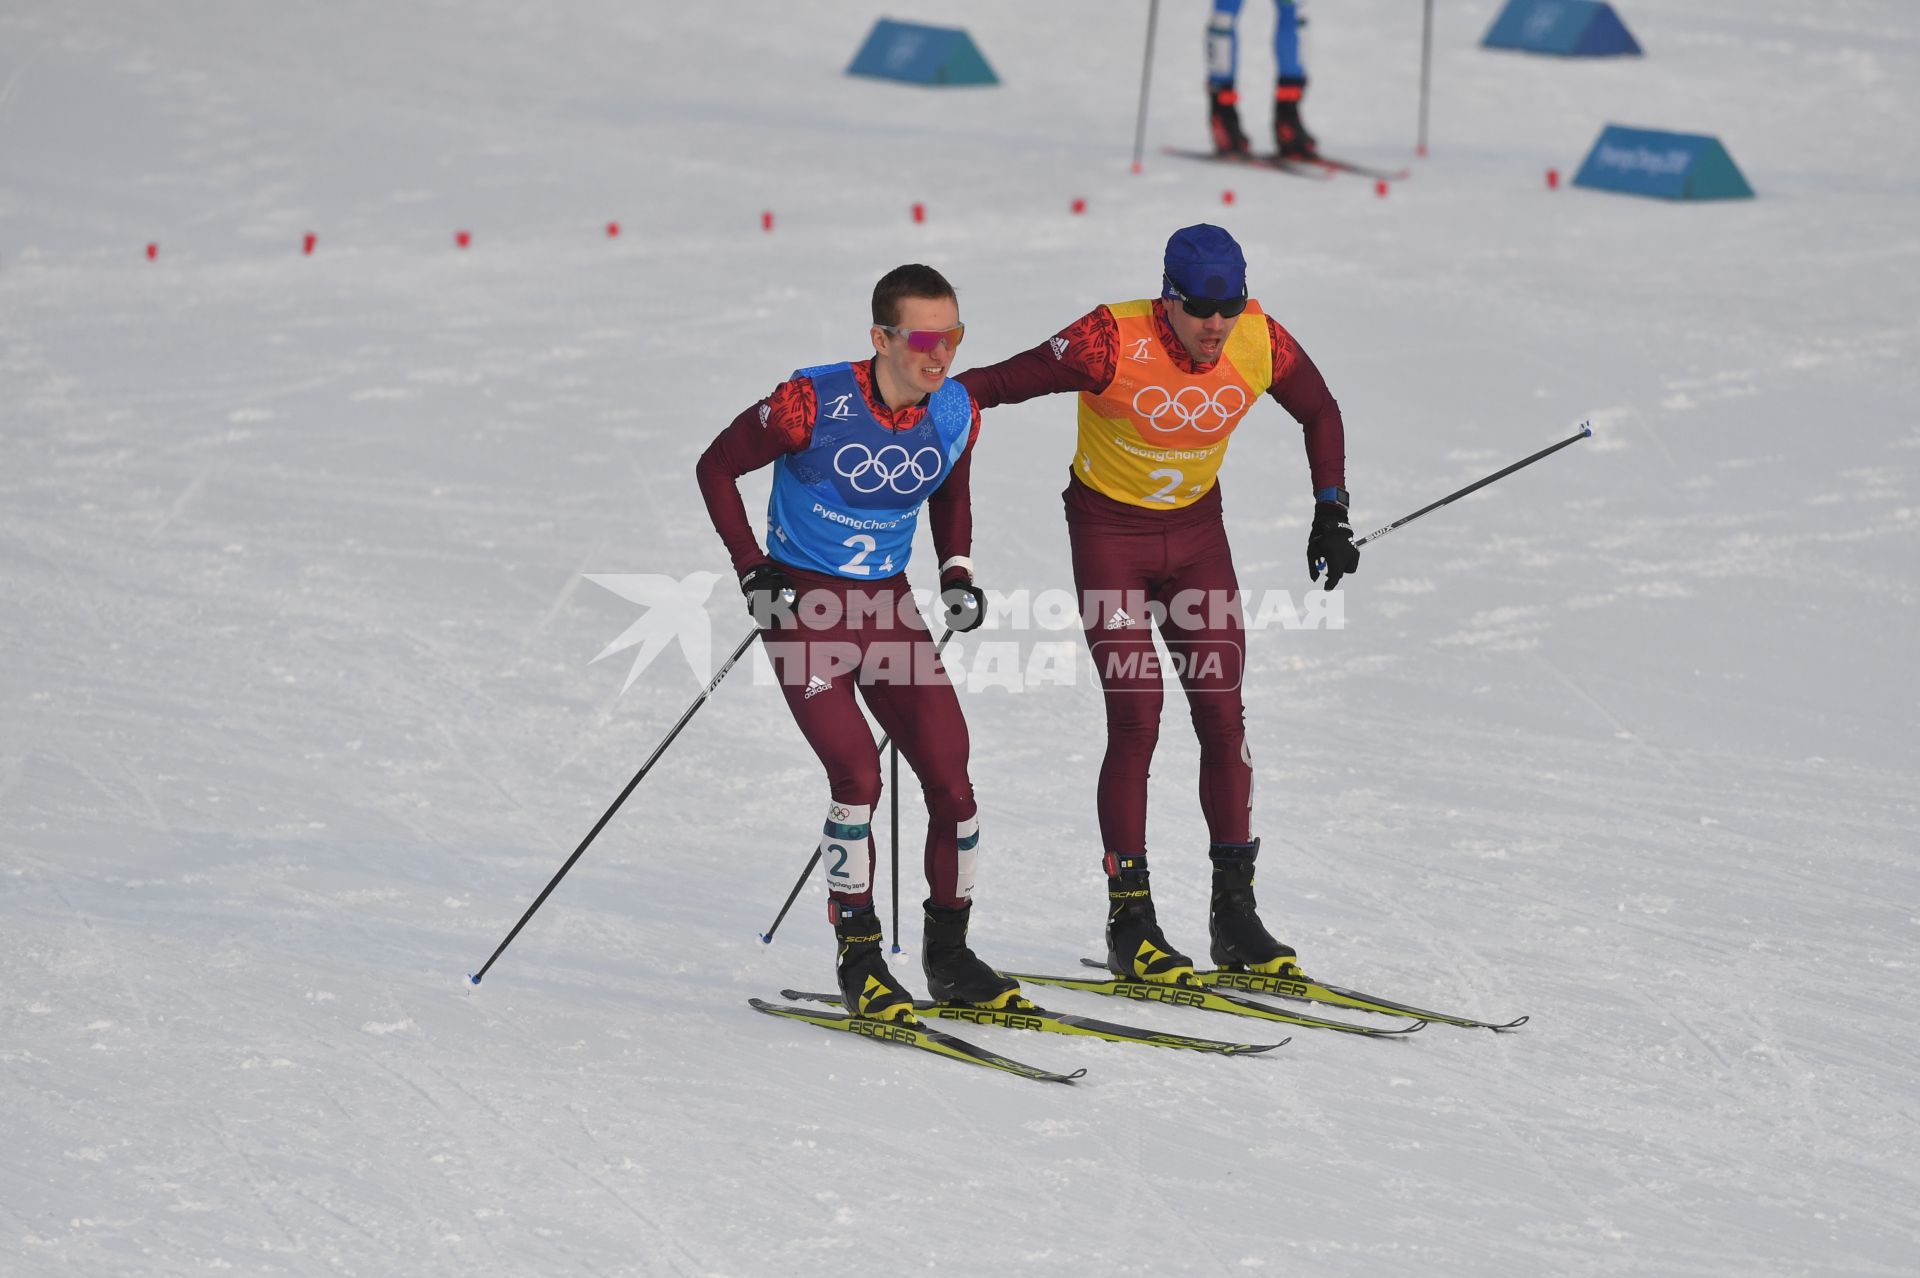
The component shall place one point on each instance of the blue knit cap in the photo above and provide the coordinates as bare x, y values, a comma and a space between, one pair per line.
1204, 262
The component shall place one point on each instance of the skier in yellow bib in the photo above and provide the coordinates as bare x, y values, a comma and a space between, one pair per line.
1162, 384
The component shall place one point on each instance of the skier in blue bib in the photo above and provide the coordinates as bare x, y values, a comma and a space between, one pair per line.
859, 449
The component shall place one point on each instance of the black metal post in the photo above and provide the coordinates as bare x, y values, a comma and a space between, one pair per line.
1426, 69
1146, 75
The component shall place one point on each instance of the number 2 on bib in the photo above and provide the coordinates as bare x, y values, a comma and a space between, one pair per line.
862, 546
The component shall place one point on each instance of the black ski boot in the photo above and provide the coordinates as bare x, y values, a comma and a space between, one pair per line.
1137, 950
955, 973
866, 986
1241, 943
1290, 136
1223, 121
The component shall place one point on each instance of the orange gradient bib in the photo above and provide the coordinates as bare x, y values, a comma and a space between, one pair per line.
1156, 436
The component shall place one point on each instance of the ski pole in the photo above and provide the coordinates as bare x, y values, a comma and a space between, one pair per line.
608, 815
766, 937
1426, 68
1146, 74
893, 794
1586, 429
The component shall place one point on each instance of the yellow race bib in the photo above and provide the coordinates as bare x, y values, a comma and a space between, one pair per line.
1156, 436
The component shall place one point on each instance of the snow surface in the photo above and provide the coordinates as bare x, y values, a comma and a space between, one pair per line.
297, 711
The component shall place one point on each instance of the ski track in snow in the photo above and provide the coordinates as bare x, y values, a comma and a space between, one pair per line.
299, 714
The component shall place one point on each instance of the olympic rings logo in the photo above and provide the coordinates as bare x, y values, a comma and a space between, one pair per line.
1190, 406
869, 471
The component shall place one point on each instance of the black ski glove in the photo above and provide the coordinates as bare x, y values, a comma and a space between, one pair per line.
966, 606
1330, 544
770, 595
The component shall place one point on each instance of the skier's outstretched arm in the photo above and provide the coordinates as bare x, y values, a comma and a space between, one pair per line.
1080, 357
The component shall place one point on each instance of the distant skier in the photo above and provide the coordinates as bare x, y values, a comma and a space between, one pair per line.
857, 448
1162, 383
1290, 136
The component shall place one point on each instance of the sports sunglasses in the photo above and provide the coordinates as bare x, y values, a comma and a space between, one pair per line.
1208, 307
924, 340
